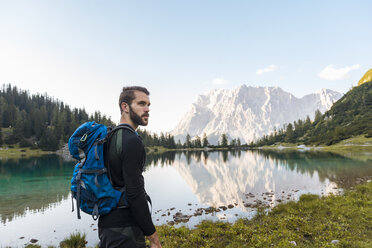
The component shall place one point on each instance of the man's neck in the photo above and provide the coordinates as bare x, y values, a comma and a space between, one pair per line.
128, 122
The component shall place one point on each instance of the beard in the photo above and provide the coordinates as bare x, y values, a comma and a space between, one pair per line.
136, 118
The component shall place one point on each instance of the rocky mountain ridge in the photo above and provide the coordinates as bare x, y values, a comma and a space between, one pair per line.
249, 112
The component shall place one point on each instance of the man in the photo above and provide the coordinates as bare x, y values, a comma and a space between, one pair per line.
126, 227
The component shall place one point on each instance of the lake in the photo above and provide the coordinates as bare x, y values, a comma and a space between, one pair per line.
35, 200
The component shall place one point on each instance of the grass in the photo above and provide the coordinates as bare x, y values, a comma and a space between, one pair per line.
281, 145
360, 140
76, 240
358, 147
352, 145
17, 152
156, 149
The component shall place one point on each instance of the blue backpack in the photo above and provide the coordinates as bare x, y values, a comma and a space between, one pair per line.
90, 184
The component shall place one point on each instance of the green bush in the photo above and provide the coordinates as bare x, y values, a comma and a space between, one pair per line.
76, 240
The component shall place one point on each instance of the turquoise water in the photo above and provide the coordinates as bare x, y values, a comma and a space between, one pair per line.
35, 199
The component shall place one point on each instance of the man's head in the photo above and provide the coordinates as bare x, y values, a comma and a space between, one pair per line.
134, 105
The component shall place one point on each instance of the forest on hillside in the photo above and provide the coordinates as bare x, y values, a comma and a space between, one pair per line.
349, 116
39, 121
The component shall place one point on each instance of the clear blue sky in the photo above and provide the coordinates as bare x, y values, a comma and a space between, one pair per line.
84, 52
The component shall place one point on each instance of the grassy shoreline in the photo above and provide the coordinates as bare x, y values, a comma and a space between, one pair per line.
17, 152
358, 142
330, 221
359, 148
354, 144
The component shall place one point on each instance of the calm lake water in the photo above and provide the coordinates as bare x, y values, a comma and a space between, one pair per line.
35, 199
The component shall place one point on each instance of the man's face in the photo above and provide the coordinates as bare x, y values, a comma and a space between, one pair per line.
139, 109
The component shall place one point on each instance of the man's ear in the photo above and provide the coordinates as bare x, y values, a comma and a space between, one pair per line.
125, 107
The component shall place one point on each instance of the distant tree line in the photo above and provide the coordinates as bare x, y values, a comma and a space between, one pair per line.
198, 142
153, 139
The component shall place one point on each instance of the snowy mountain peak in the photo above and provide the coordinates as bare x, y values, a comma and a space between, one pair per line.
249, 112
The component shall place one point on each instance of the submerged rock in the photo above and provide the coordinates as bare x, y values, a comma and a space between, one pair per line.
180, 217
210, 210
33, 241
198, 212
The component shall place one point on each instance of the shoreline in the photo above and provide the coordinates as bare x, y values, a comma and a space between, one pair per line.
357, 142
341, 149
312, 221
16, 152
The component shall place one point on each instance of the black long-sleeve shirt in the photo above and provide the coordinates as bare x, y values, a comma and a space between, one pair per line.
126, 156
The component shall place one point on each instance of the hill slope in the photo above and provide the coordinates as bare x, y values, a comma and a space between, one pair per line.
38, 121
366, 78
349, 116
352, 114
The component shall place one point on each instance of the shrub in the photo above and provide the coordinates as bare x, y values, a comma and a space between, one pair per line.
76, 240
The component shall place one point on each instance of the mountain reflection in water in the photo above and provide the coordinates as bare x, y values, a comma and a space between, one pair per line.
221, 178
216, 178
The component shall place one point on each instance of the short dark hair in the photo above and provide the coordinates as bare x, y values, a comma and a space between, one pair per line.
127, 95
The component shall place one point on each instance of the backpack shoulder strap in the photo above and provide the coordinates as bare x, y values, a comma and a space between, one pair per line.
112, 130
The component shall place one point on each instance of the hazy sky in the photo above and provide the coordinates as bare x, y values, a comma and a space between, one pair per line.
84, 52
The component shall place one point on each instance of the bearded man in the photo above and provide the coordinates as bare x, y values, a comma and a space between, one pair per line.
127, 227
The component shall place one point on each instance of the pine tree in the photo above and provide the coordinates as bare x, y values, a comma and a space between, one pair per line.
223, 142
318, 116
205, 142
188, 141
197, 142
289, 135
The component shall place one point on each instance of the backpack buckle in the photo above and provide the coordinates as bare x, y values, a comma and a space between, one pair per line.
84, 138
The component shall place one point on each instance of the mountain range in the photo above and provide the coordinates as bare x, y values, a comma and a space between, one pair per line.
248, 112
